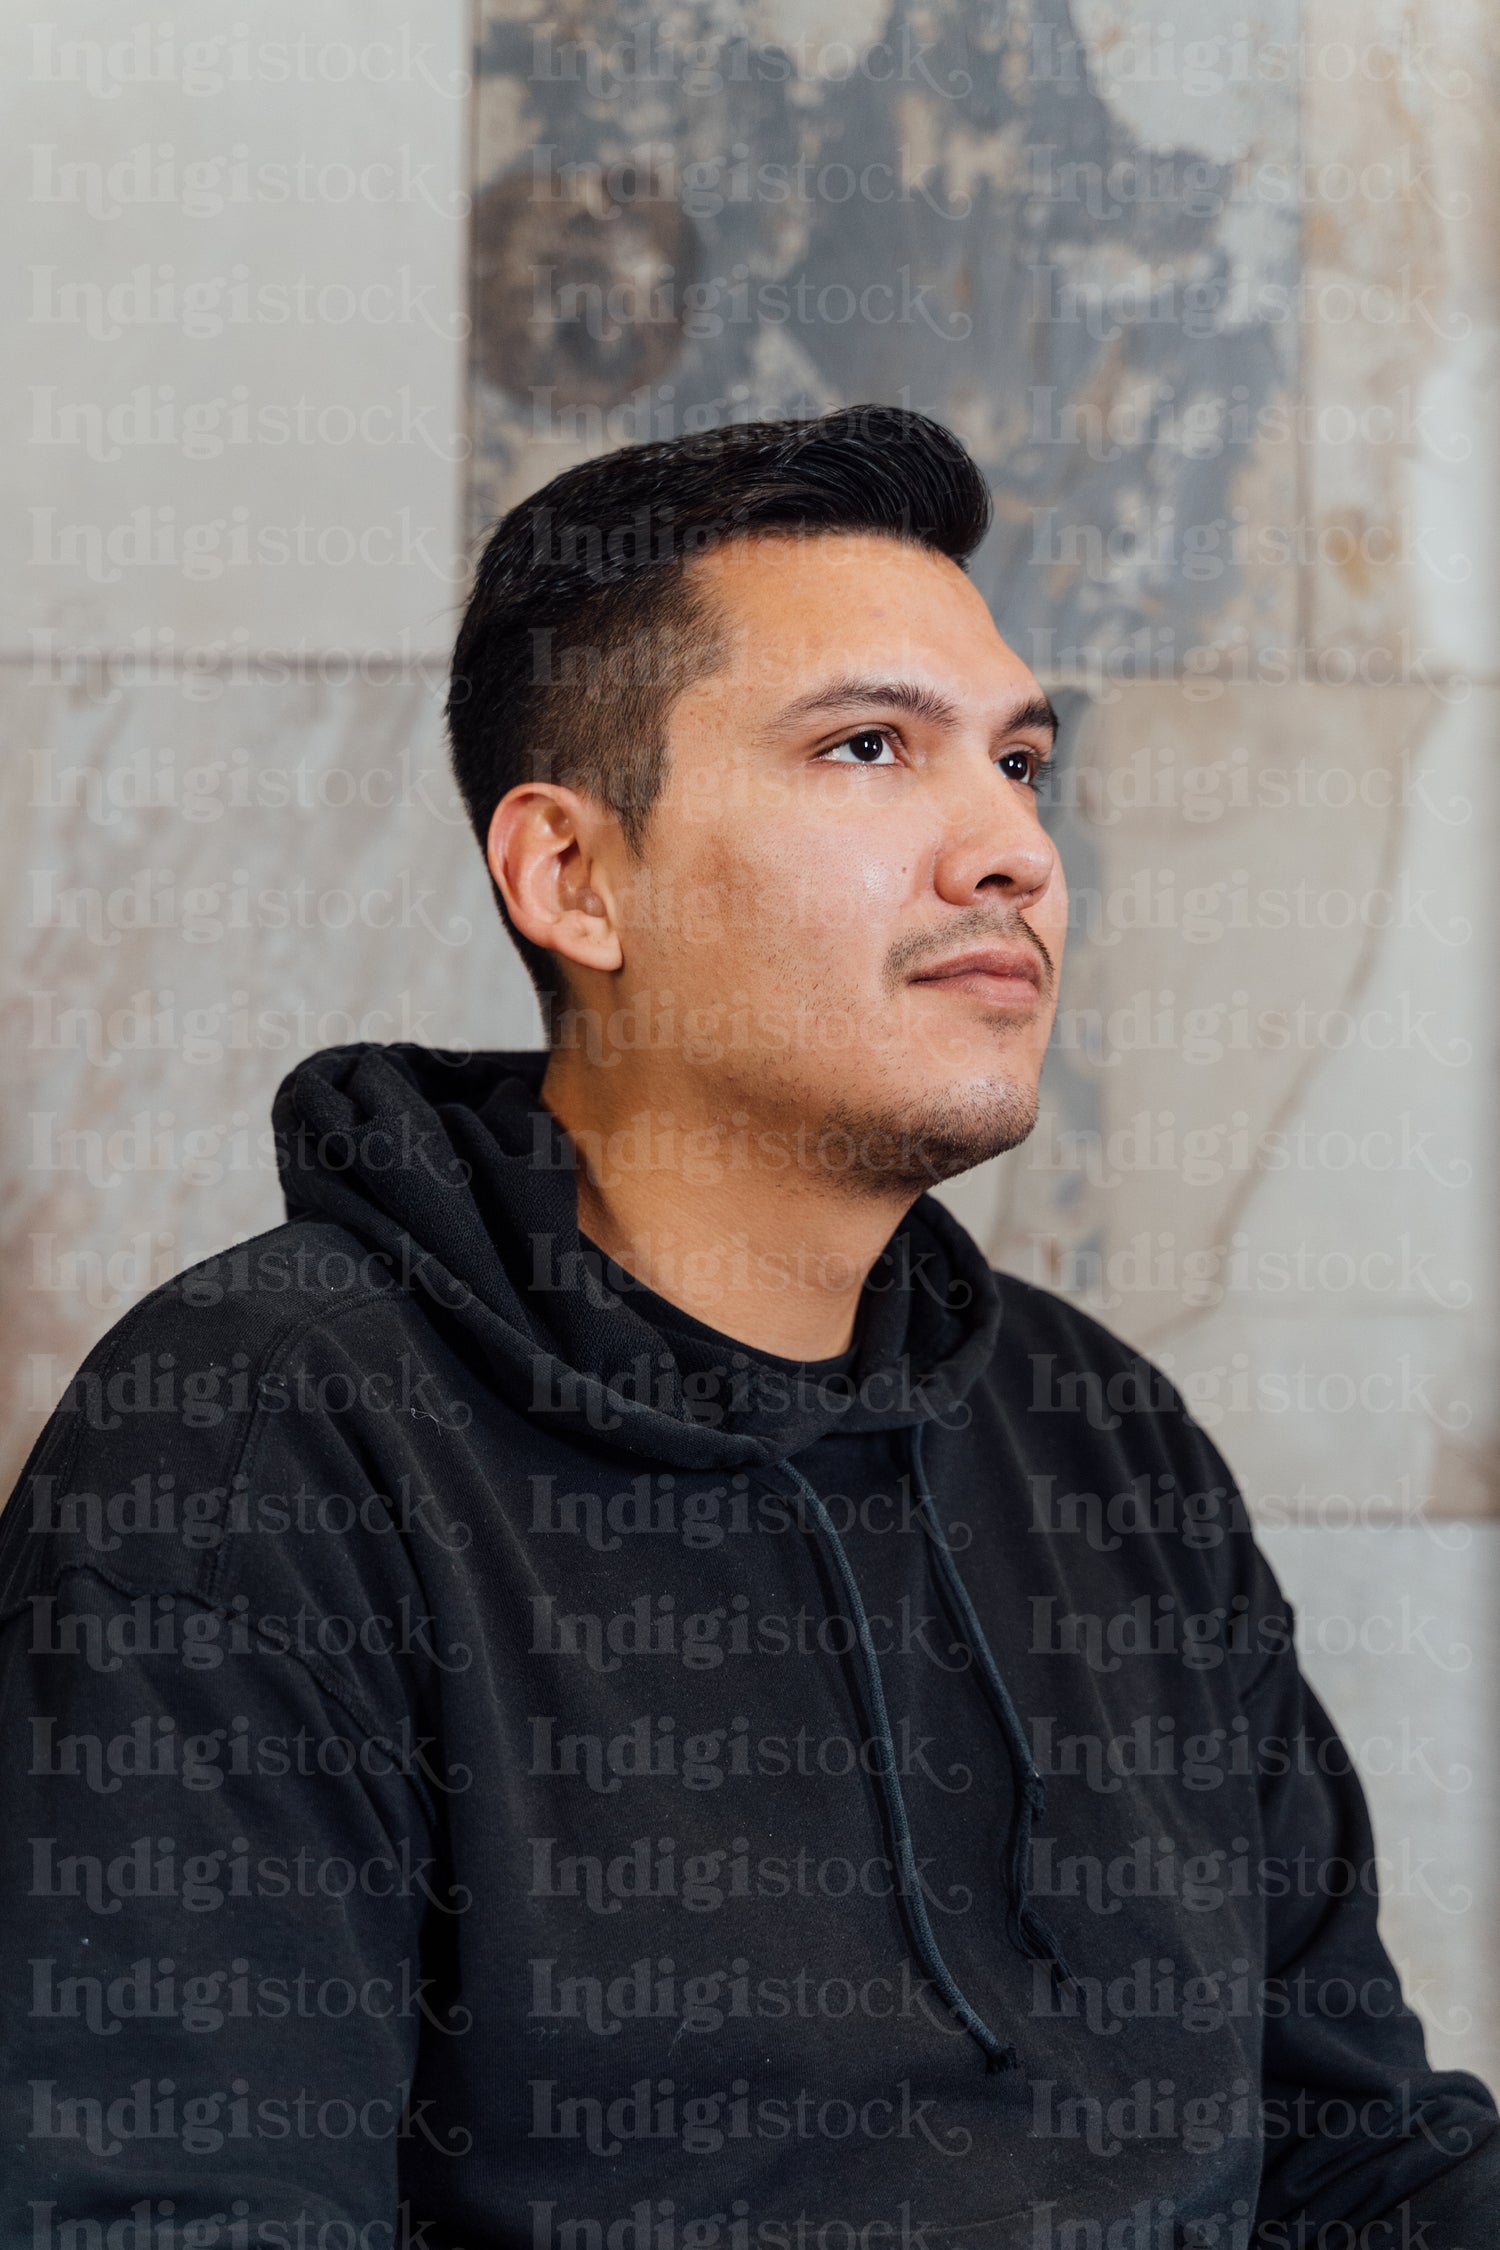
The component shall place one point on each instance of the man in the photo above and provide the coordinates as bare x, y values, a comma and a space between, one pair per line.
609, 1683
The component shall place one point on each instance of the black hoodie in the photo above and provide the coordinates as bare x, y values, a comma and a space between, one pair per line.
491, 1762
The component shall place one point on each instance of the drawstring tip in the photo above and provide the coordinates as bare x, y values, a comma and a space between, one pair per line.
1000, 2058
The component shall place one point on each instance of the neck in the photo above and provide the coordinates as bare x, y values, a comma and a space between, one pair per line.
709, 1205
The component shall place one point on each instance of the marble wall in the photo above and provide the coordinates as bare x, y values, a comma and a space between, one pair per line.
1212, 296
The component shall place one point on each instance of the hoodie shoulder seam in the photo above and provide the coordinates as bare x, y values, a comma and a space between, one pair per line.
260, 1420
323, 1678
113, 1348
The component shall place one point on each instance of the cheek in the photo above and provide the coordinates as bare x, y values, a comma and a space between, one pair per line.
767, 894
841, 905
1050, 921
851, 882
884, 877
810, 904
695, 896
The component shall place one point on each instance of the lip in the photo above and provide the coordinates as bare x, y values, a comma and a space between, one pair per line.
992, 972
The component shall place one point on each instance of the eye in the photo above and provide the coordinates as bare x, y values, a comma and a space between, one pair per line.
863, 748
1031, 763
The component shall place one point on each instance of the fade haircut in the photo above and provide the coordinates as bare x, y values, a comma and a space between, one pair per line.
584, 624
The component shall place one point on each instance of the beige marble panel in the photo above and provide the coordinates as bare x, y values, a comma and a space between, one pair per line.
1265, 1151
1400, 320
1231, 861
236, 336
1397, 1633
1329, 1413
203, 891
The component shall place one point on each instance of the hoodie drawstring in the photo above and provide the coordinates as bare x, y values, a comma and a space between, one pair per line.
1028, 1932
998, 2056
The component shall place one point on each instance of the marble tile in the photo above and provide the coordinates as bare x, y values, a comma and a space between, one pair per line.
1265, 1151
1270, 888
205, 891
1038, 226
1401, 326
1397, 1633
1356, 1412
238, 329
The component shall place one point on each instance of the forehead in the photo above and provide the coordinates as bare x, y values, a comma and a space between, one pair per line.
793, 605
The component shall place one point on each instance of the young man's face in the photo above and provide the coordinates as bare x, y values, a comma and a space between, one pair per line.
846, 886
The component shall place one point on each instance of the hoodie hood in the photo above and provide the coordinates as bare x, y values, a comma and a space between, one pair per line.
448, 1164
449, 1168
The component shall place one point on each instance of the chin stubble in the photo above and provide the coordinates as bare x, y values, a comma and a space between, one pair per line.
872, 1153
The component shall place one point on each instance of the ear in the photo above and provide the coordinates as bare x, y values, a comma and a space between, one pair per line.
544, 852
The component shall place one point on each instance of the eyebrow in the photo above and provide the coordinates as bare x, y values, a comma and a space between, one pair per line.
915, 698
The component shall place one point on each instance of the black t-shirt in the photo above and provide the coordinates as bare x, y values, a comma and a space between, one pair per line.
733, 1383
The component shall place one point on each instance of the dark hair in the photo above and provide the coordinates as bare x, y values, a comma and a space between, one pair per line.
583, 625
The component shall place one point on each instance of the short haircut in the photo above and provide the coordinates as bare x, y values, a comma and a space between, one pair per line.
583, 626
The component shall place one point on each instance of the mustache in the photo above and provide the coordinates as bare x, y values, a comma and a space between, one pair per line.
925, 946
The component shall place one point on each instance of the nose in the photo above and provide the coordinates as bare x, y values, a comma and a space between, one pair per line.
1000, 853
